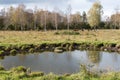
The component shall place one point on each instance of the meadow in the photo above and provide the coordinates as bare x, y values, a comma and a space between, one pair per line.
61, 36
38, 37
12, 42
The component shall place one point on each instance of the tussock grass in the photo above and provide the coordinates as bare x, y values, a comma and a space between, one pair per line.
39, 37
19, 73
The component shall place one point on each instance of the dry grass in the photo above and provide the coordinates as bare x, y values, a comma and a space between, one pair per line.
36, 37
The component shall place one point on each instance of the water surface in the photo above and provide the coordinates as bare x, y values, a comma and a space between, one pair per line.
66, 62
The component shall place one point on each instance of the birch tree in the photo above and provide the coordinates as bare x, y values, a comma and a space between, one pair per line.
35, 17
69, 8
56, 17
45, 16
94, 15
21, 16
115, 18
84, 17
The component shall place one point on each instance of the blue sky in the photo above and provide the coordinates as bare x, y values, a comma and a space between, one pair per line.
77, 5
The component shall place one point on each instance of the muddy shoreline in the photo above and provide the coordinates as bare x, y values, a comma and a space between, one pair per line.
57, 47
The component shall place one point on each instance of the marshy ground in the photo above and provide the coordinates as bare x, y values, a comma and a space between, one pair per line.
39, 37
36, 37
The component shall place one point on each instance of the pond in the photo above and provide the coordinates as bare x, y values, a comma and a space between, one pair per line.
66, 62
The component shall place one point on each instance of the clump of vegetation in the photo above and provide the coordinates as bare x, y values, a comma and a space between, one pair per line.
7, 48
31, 50
68, 33
13, 52
36, 74
1, 68
71, 33
51, 76
26, 47
1, 52
1, 57
67, 74
58, 49
23, 47
67, 46
112, 44
57, 33
19, 73
98, 44
19, 69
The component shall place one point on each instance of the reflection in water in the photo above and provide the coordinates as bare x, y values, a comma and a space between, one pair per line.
22, 57
94, 56
67, 62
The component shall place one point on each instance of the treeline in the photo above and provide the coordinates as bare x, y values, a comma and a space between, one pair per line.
20, 18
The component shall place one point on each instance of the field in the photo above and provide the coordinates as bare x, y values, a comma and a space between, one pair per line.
37, 37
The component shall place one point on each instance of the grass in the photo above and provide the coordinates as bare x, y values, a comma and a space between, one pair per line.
39, 37
12, 42
21, 38
20, 73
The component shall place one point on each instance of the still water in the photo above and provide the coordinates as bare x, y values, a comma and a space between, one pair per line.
66, 62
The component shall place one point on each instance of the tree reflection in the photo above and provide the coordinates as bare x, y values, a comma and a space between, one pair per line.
94, 56
22, 57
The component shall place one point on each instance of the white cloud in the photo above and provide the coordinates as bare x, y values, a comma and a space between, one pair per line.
80, 5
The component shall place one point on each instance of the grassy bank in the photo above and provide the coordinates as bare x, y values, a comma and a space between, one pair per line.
21, 73
13, 42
